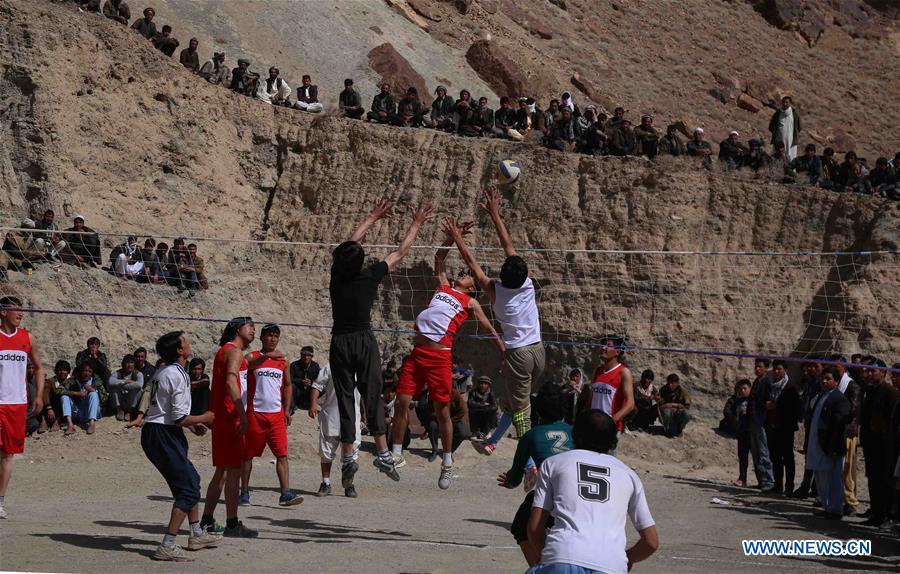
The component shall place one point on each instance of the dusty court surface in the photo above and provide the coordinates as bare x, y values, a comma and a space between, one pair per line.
94, 504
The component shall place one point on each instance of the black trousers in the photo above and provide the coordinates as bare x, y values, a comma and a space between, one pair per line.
878, 475
482, 421
743, 453
459, 435
356, 362
781, 451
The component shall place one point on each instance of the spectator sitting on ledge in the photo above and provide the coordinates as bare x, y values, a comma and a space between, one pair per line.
83, 241
349, 101
145, 25
308, 96
384, 108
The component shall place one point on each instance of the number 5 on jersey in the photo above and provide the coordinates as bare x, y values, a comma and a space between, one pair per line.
591, 484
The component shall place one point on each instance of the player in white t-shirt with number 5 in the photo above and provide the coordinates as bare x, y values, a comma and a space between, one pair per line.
589, 494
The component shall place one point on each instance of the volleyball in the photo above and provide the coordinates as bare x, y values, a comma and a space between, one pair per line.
508, 172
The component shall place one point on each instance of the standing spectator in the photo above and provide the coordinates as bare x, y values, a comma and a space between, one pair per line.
851, 390
274, 90
674, 401
189, 57
308, 96
647, 138
304, 372
199, 386
759, 444
783, 412
83, 241
124, 388
785, 127
572, 390
461, 376
441, 117
145, 25
215, 71
384, 108
671, 144
349, 101
827, 444
117, 10
80, 399
740, 411
98, 362
482, 408
645, 400
874, 433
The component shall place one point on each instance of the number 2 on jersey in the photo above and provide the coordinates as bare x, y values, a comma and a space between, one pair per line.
559, 439
591, 484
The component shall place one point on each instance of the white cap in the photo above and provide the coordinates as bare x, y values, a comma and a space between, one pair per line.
734, 133
28, 222
699, 131
78, 216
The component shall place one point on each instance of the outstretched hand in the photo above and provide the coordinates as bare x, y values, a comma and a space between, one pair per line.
422, 214
491, 201
381, 209
456, 230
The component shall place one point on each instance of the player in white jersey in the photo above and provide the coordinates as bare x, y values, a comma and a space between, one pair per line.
589, 494
18, 348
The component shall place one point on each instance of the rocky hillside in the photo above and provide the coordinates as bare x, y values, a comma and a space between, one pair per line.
97, 122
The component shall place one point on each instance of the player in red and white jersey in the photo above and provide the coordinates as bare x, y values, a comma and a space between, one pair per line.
269, 405
18, 348
431, 362
228, 400
612, 388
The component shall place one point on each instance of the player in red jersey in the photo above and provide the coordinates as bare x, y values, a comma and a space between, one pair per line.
612, 389
18, 348
431, 362
269, 406
228, 400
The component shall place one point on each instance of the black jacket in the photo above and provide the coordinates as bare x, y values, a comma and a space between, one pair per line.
298, 373
835, 418
442, 107
788, 409
854, 395
505, 118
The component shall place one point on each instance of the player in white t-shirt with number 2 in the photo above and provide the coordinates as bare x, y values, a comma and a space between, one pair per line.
589, 494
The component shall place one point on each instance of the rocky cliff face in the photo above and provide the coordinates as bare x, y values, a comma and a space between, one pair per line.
99, 123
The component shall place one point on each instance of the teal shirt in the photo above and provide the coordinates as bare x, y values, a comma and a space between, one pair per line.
539, 444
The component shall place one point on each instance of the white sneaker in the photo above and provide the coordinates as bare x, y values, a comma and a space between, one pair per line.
3, 513
399, 461
171, 554
446, 477
205, 540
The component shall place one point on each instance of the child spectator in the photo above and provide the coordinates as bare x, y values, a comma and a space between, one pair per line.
739, 412
461, 376
482, 408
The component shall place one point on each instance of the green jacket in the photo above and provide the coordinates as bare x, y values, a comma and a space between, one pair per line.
72, 386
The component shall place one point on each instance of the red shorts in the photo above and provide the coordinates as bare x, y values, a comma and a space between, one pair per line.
227, 447
12, 428
266, 429
431, 367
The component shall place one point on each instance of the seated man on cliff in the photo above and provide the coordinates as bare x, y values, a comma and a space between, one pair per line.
83, 241
441, 117
409, 110
21, 248
465, 115
757, 159
164, 42
274, 90
647, 138
732, 152
349, 101
809, 165
549, 118
189, 57
671, 144
622, 140
505, 121
117, 10
199, 266
616, 121
308, 96
700, 148
831, 170
215, 71
384, 108
145, 25
562, 136
126, 259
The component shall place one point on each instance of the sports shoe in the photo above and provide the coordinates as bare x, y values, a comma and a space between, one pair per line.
213, 527
3, 513
240, 531
386, 465
530, 479
324, 490
290, 499
171, 554
399, 461
244, 498
350, 492
446, 477
348, 471
205, 540
485, 448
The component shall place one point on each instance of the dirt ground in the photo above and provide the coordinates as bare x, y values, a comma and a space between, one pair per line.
93, 503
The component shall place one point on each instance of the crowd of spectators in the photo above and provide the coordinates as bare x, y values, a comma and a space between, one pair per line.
840, 410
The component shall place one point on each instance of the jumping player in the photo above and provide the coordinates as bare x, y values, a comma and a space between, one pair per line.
228, 401
430, 365
353, 354
269, 405
612, 390
165, 445
18, 348
515, 307
323, 405
551, 436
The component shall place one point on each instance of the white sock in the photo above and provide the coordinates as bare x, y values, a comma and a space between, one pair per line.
346, 458
195, 529
397, 449
448, 459
168, 540
386, 455
326, 480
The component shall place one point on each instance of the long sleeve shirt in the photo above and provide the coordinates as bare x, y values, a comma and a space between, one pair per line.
130, 382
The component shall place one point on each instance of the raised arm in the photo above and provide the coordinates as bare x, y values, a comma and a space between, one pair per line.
491, 204
440, 270
382, 208
453, 229
485, 323
420, 216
